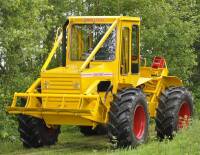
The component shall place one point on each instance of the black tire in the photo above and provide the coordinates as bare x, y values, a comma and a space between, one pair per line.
124, 127
88, 131
173, 104
34, 133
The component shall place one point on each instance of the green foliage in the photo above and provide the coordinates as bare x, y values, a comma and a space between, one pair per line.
24, 27
6, 124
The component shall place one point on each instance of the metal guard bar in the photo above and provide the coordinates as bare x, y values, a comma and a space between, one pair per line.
14, 109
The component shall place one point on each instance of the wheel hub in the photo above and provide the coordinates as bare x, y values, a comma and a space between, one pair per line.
184, 115
139, 122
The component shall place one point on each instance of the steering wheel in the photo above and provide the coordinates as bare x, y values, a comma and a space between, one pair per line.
85, 55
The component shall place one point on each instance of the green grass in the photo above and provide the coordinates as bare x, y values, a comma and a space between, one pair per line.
72, 142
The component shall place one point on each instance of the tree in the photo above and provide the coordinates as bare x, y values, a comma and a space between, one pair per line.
24, 26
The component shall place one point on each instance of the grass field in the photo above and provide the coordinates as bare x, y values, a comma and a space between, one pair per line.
186, 142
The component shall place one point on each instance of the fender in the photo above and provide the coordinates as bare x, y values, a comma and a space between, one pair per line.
172, 81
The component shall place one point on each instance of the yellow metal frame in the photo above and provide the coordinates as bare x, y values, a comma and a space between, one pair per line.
69, 94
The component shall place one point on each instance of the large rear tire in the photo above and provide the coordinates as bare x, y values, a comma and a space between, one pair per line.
129, 118
34, 133
174, 111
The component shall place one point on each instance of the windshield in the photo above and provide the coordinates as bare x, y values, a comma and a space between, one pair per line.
84, 38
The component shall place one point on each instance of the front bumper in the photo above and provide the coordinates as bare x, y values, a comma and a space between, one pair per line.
72, 109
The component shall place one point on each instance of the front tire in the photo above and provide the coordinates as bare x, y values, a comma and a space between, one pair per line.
34, 133
129, 118
174, 111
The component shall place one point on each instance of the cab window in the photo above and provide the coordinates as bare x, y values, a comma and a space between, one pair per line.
135, 50
125, 50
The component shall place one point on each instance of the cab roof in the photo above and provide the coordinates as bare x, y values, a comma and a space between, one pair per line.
101, 19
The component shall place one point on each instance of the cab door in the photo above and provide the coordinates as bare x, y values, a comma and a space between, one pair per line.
135, 50
129, 55
125, 50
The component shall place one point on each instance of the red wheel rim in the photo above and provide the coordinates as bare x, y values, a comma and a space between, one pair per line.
184, 115
139, 121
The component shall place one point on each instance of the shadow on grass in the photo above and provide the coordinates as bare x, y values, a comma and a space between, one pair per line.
79, 143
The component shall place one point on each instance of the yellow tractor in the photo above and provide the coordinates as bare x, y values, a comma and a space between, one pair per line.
102, 87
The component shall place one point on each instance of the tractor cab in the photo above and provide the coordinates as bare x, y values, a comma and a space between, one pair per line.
105, 48
110, 43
